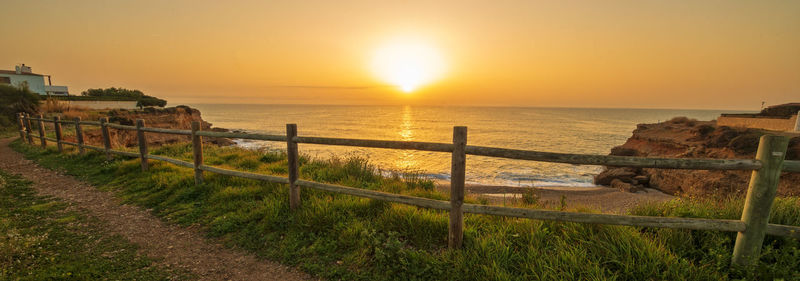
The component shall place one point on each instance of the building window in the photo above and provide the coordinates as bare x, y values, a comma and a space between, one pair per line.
5, 80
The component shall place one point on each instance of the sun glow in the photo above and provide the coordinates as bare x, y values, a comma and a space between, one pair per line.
407, 64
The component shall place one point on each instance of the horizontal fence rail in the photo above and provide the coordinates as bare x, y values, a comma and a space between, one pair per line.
384, 196
412, 145
170, 160
740, 226
247, 175
241, 136
791, 166
620, 161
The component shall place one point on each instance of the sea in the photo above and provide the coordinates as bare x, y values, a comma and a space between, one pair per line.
564, 130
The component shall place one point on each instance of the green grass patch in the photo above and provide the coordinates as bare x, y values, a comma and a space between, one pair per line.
41, 240
343, 237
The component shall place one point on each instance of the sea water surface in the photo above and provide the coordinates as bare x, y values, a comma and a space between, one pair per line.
566, 130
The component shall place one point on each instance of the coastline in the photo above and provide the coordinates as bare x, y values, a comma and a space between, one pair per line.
604, 199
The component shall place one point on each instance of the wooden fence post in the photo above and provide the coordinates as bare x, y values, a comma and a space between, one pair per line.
79, 134
21, 126
760, 195
41, 131
106, 137
57, 128
292, 157
197, 149
140, 137
457, 177
28, 128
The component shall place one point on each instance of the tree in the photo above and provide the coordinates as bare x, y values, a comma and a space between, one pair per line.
141, 99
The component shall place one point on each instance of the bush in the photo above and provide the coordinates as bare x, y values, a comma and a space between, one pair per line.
112, 93
14, 100
530, 197
683, 120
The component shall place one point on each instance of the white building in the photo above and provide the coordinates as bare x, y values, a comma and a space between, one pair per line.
23, 76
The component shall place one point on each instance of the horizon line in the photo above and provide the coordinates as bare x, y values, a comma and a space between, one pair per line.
479, 106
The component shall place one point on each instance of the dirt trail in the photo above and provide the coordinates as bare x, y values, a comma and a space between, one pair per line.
175, 246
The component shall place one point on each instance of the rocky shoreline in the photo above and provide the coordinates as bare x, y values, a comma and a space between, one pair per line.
687, 138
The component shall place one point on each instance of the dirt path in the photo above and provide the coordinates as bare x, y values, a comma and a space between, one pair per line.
175, 246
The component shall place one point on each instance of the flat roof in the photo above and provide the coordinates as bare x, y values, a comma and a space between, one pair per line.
15, 73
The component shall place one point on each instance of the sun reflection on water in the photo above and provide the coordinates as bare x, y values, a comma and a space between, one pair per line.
407, 158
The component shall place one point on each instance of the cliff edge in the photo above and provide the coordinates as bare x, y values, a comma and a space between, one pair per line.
687, 138
179, 117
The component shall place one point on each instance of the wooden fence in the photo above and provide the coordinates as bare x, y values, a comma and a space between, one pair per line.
751, 228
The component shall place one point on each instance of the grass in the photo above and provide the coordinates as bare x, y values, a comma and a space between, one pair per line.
343, 237
41, 240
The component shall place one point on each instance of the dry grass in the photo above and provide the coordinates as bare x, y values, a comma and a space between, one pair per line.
52, 105
73, 113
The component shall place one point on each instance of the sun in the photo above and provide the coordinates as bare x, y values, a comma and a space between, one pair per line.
407, 64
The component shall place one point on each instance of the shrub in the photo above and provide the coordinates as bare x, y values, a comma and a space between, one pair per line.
530, 197
683, 120
15, 100
112, 93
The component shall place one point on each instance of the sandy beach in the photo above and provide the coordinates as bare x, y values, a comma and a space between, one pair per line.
604, 199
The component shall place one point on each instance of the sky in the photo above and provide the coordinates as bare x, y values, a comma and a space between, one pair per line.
629, 54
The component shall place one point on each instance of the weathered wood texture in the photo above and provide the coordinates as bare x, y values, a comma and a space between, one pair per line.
106, 137
123, 153
644, 221
79, 135
378, 195
242, 136
21, 124
247, 175
170, 160
292, 156
57, 129
791, 166
197, 152
458, 167
783, 230
92, 123
142, 140
121, 127
96, 148
28, 128
760, 195
70, 143
413, 145
41, 131
621, 161
168, 131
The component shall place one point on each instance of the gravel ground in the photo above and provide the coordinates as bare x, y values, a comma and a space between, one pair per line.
172, 245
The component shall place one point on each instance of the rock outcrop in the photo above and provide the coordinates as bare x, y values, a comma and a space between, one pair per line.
687, 138
179, 117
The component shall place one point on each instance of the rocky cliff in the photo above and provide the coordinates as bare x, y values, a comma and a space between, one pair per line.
179, 117
687, 138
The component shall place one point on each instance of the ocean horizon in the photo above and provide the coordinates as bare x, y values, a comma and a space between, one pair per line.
564, 130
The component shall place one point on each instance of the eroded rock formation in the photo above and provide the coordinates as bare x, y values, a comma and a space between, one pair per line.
687, 138
179, 117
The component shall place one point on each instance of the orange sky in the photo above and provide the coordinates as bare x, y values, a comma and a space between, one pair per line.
652, 54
